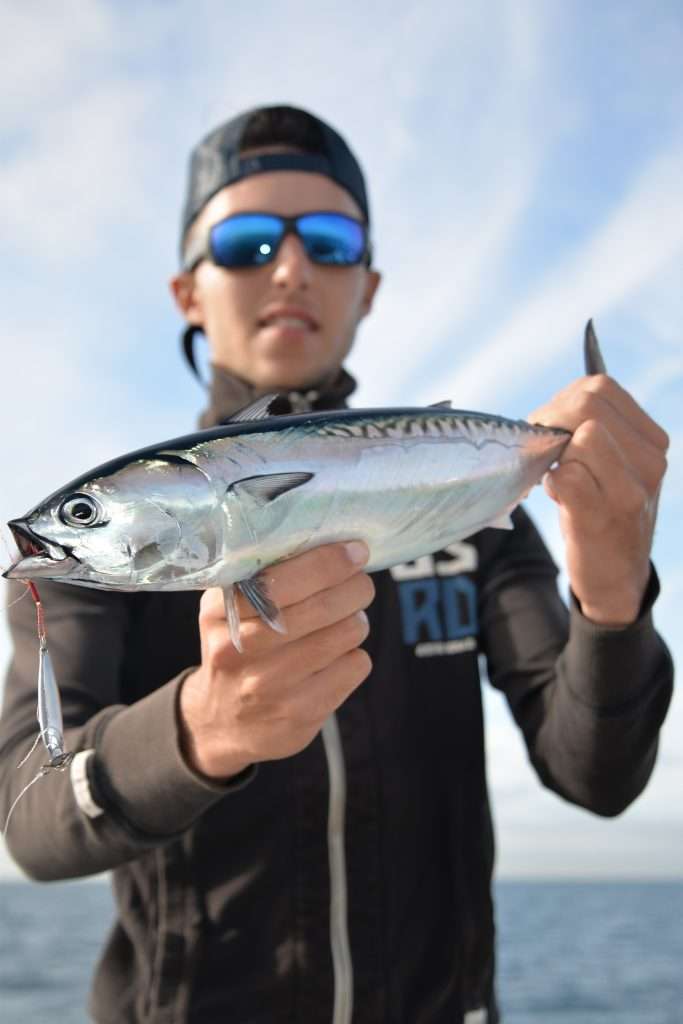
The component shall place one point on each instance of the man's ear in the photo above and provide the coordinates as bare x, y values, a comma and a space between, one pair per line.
184, 291
372, 283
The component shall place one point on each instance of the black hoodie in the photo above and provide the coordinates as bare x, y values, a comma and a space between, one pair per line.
223, 891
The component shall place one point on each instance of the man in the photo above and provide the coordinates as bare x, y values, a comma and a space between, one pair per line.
302, 831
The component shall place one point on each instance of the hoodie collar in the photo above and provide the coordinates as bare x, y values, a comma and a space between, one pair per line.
228, 394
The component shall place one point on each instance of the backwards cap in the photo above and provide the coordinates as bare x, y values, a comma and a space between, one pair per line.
216, 161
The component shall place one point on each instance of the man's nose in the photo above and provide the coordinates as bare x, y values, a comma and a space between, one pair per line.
292, 267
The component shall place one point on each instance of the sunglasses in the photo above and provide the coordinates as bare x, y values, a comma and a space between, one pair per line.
253, 239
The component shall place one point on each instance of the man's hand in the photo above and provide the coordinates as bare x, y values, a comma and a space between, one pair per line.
607, 486
270, 701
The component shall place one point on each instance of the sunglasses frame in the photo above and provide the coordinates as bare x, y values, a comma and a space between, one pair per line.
202, 249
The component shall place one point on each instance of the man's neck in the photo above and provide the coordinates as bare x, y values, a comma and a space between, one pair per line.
228, 393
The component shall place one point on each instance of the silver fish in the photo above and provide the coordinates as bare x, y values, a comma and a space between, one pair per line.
216, 507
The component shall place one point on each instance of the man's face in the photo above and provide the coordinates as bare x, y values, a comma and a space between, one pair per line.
289, 323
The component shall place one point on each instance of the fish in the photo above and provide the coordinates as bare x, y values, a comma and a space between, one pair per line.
217, 507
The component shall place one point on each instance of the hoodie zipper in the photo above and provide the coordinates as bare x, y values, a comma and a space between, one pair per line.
336, 812
339, 931
302, 401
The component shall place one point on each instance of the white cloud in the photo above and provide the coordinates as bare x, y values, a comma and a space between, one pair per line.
444, 247
80, 176
659, 306
557, 843
44, 52
638, 239
540, 835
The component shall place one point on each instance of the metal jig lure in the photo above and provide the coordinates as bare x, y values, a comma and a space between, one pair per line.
49, 713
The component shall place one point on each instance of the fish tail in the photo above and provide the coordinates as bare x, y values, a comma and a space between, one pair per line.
592, 356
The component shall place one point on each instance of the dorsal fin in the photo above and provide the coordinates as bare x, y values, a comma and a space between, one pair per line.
257, 410
441, 405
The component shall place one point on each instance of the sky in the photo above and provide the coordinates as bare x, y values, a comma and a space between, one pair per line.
524, 160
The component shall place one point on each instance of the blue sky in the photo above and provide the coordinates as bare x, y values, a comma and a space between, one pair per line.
524, 161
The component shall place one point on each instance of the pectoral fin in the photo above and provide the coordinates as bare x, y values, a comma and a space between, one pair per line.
269, 486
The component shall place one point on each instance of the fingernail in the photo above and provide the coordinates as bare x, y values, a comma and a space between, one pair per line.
357, 551
363, 617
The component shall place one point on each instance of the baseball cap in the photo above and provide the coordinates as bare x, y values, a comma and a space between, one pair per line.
216, 161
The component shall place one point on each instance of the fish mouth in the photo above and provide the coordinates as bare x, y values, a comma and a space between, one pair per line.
39, 557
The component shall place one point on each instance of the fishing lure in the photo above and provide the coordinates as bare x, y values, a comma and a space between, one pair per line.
49, 713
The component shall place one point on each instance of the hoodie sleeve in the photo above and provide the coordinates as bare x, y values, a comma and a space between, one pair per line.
589, 699
115, 800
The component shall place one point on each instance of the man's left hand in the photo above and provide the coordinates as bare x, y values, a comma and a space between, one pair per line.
606, 485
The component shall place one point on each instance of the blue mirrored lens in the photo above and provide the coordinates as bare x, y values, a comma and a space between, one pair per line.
252, 239
332, 238
246, 240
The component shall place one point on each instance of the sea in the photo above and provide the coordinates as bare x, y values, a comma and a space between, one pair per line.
569, 952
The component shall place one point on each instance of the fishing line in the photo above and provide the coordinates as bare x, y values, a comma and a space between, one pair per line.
12, 555
21, 596
43, 771
26, 756
40, 615
12, 559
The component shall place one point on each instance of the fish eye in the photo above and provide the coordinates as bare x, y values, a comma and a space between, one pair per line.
80, 510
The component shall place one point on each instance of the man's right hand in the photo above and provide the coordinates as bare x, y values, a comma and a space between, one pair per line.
270, 701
